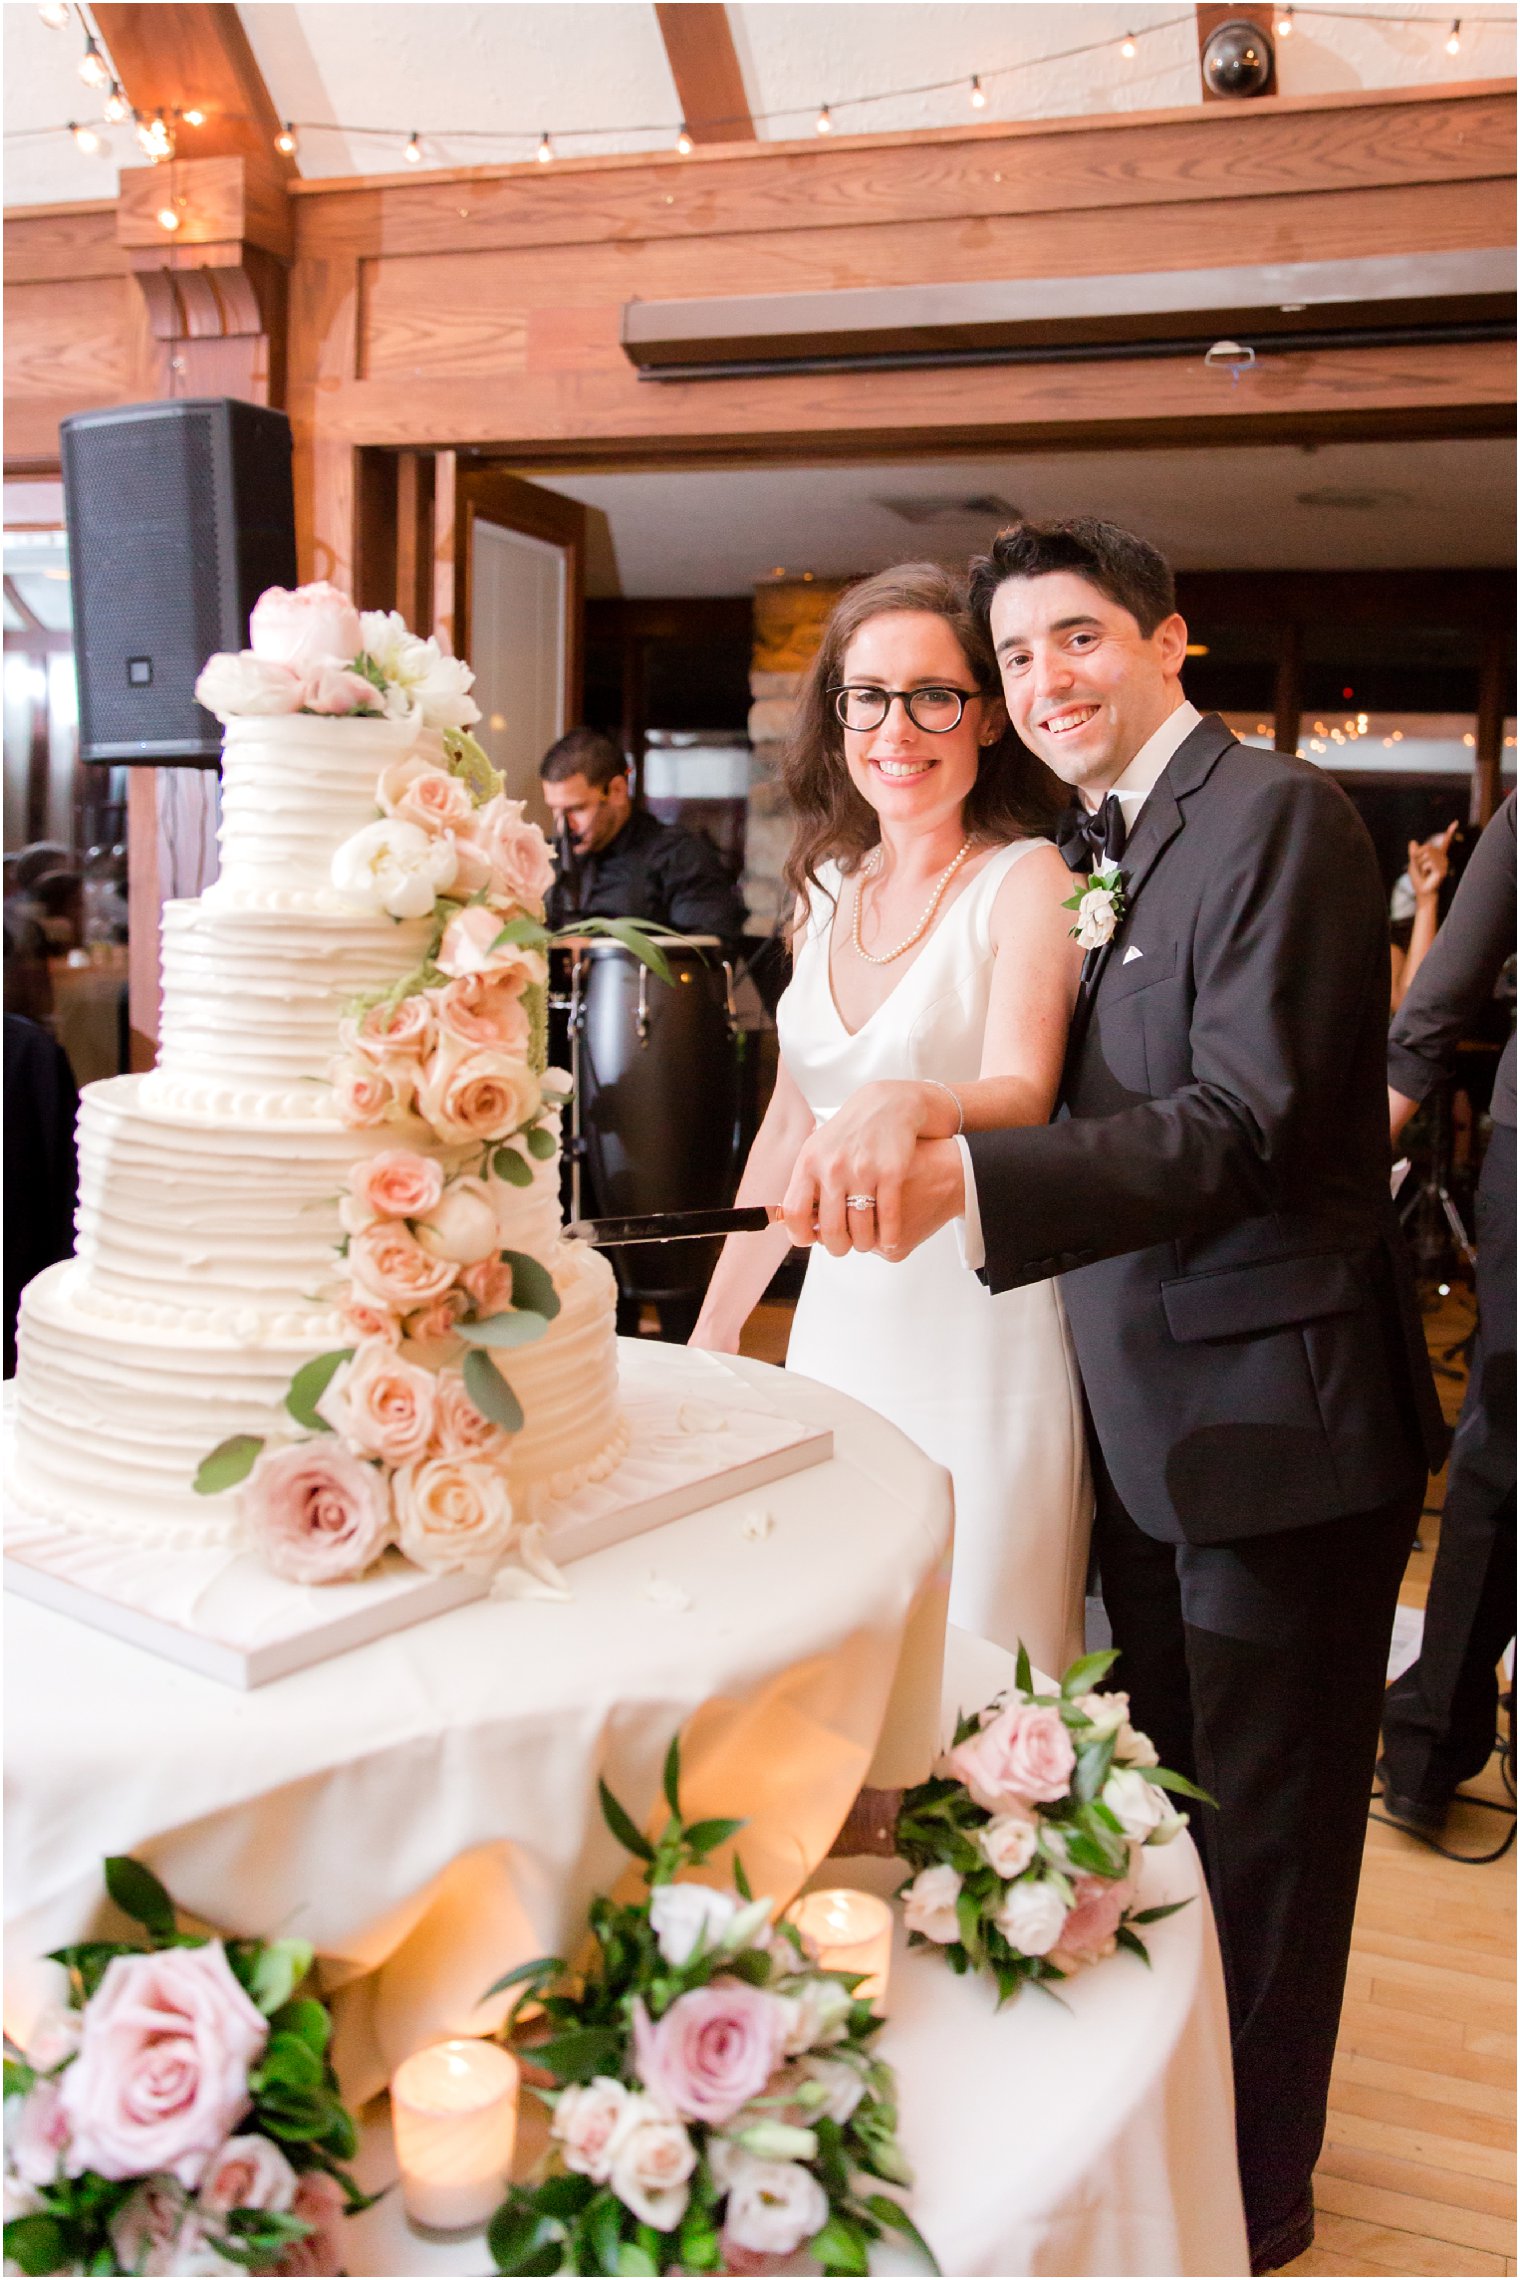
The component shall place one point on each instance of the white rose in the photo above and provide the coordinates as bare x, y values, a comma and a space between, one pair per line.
818, 2014
587, 2120
1031, 1915
454, 1512
1133, 1748
314, 625
462, 1224
686, 1918
1008, 1843
836, 2089
394, 867
54, 2037
1108, 1714
773, 2206
244, 686
652, 2157
1096, 918
1143, 1811
385, 636
929, 1904
439, 685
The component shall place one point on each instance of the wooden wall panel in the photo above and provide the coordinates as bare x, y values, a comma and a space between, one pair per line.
70, 347
45, 243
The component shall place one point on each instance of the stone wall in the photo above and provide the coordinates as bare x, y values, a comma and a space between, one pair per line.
789, 619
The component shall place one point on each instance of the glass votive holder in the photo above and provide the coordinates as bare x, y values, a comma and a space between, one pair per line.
454, 2114
849, 1931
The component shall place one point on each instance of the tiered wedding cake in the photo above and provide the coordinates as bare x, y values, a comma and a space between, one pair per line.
347, 1150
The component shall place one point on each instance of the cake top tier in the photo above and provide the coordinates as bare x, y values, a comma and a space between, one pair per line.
294, 789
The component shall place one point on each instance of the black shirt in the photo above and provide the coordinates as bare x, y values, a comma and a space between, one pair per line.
654, 871
1458, 976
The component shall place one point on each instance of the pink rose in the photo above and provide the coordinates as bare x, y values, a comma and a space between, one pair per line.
430, 1339
474, 1093
489, 1284
320, 2203
54, 2036
1088, 1933
469, 943
311, 626
381, 1405
35, 2143
249, 2173
472, 866
486, 1009
316, 1512
1025, 1757
714, 2050
417, 791
396, 1184
150, 2225
459, 1430
367, 1320
462, 1225
518, 851
587, 2118
369, 1094
454, 1512
162, 2073
243, 686
330, 688
387, 1262
393, 1026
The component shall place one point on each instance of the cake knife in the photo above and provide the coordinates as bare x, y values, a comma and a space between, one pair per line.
674, 1226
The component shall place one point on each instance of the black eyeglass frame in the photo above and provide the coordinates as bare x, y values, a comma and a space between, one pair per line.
842, 689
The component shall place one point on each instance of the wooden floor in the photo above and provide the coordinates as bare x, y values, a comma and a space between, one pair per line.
1418, 2171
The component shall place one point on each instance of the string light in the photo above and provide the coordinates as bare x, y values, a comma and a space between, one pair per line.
413, 151
116, 106
683, 141
1454, 37
156, 140
195, 118
545, 150
824, 124
55, 14
167, 218
86, 137
1127, 47
285, 140
978, 93
93, 69
1285, 24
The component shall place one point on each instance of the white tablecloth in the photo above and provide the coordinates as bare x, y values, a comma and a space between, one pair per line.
424, 1810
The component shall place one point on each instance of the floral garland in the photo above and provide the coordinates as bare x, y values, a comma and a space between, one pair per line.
1025, 1841
181, 2114
715, 2095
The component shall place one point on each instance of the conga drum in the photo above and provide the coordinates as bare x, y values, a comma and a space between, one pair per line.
658, 1099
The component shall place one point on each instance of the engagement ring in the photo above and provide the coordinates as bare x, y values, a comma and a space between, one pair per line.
860, 1203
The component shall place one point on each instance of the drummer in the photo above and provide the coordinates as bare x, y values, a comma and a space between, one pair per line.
618, 861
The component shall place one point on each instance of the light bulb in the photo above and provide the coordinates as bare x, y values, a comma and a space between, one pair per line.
155, 138
167, 218
116, 106
285, 140
683, 141
195, 117
978, 94
55, 14
1127, 47
93, 69
85, 137
1453, 37
413, 151
545, 150
823, 123
1285, 24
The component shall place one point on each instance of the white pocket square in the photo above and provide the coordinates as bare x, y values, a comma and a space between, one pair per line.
1130, 955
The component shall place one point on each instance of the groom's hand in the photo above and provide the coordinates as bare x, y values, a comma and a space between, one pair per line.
872, 1149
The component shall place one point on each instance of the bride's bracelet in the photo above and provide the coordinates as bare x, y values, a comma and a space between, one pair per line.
950, 1094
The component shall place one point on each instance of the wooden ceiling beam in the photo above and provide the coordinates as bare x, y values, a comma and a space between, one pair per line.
699, 47
196, 56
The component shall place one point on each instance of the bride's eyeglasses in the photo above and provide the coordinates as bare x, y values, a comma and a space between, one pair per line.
936, 710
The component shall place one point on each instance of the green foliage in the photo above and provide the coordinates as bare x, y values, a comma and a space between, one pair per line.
276, 1971
643, 940
540, 1142
508, 1165
490, 1392
230, 1461
532, 1284
309, 1384
138, 1894
503, 1331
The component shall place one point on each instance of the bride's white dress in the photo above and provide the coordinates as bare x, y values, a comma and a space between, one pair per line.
985, 1385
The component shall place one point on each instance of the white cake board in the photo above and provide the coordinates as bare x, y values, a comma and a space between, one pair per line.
698, 1434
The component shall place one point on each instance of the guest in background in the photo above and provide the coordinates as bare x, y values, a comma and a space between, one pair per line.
618, 861
1417, 905
41, 1104
1439, 1718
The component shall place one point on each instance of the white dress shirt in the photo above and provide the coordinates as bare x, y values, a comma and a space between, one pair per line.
1132, 791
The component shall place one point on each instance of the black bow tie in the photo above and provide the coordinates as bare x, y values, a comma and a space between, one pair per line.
1088, 842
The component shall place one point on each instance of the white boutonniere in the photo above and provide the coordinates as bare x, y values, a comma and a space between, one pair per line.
1099, 905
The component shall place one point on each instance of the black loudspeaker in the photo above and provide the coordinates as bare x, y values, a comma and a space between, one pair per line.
179, 515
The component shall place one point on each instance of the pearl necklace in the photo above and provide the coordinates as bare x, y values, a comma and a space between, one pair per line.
886, 957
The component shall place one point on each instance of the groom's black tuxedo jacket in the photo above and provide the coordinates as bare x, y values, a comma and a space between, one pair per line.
1214, 1189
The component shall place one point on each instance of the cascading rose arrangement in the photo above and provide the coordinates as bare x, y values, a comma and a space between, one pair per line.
408, 1430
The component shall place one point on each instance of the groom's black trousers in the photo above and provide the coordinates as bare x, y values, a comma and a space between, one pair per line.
1257, 1668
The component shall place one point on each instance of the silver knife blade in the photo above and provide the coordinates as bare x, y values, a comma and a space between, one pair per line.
673, 1226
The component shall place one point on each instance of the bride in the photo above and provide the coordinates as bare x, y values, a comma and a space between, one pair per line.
929, 942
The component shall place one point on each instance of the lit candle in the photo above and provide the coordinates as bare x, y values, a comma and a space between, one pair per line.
454, 2111
850, 1931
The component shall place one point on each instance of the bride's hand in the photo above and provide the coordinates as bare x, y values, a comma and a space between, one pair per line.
868, 1148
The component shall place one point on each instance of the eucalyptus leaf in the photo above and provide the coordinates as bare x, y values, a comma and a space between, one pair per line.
230, 1461
532, 1284
541, 1143
490, 1392
519, 1328
509, 1166
309, 1384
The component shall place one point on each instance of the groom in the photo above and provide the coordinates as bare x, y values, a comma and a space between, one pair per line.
1213, 1194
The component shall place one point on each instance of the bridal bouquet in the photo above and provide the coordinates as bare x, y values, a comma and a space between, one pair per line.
716, 2101
180, 2115
1025, 1841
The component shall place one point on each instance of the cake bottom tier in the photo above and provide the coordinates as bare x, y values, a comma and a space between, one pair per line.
113, 1419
